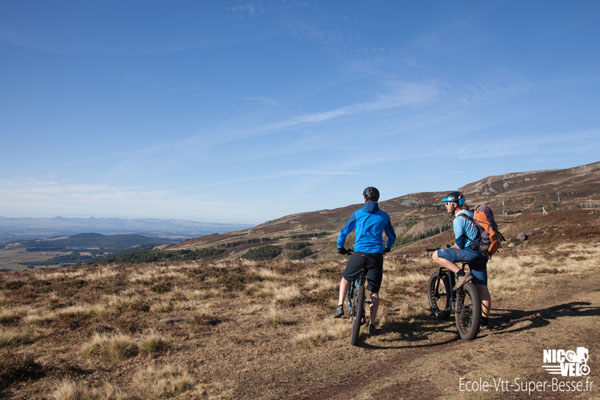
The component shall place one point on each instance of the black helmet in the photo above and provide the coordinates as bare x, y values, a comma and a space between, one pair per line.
371, 194
454, 197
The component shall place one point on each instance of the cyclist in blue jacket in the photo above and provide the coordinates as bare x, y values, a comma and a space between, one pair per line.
370, 223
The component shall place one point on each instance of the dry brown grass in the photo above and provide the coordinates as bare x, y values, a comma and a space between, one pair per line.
266, 273
154, 343
82, 311
68, 389
315, 283
277, 317
227, 324
323, 331
409, 311
408, 279
204, 294
39, 317
157, 274
251, 309
167, 381
162, 307
102, 274
287, 294
10, 316
61, 274
110, 348
20, 336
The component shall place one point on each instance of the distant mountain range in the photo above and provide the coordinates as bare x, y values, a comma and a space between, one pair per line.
16, 229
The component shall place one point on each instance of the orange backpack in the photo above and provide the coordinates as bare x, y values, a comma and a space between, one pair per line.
489, 235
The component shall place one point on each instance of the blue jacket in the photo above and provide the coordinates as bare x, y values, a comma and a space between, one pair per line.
370, 223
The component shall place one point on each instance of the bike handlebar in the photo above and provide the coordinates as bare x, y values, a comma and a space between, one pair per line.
436, 249
344, 251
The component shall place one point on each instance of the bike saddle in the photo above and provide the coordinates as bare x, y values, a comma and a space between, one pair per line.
477, 263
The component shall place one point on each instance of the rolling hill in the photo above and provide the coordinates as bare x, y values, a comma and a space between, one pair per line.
70, 250
419, 215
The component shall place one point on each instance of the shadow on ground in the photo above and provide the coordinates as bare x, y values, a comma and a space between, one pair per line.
417, 329
506, 320
503, 321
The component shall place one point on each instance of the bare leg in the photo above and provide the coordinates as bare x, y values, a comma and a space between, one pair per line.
486, 300
343, 290
374, 306
445, 263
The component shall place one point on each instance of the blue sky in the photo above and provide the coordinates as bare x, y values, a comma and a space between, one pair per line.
246, 111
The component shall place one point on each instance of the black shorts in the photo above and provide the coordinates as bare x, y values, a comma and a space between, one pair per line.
374, 263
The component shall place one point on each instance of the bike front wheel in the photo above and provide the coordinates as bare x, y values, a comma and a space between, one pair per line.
359, 304
439, 295
468, 311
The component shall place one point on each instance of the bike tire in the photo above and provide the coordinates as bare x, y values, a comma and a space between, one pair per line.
360, 312
468, 311
439, 300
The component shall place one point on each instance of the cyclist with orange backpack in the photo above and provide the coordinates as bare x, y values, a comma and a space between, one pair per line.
465, 248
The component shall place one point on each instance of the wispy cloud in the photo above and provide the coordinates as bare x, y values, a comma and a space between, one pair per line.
530, 144
408, 94
52, 198
329, 173
250, 9
284, 174
264, 100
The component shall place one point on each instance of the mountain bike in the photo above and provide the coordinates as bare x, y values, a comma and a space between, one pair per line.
464, 302
355, 299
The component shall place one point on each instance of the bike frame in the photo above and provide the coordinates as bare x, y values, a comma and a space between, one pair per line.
354, 287
452, 279
356, 297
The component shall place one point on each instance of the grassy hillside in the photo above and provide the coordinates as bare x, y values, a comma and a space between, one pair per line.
420, 215
263, 329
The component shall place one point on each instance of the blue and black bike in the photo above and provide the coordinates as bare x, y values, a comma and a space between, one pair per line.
464, 302
355, 299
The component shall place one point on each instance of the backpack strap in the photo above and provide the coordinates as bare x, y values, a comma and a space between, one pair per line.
466, 216
475, 224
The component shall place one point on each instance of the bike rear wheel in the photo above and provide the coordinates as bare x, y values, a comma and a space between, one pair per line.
468, 311
359, 304
439, 295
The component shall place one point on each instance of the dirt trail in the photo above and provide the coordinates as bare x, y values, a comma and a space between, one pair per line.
567, 309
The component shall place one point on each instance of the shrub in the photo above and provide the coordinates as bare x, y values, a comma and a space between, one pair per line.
154, 343
296, 245
250, 241
19, 337
111, 348
163, 382
205, 319
305, 252
309, 235
140, 257
68, 389
263, 253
